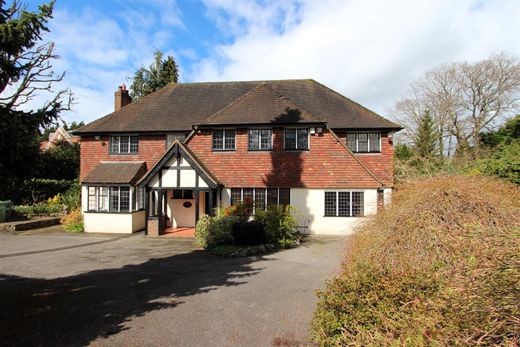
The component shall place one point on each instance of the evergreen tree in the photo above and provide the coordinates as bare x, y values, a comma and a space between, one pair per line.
159, 74
426, 137
25, 72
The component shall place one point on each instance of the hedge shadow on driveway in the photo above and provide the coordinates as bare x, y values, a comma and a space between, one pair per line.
78, 309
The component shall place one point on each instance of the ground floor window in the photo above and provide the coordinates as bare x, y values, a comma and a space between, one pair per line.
261, 198
113, 199
344, 204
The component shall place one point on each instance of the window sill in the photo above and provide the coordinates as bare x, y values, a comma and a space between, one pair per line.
113, 212
344, 216
223, 150
134, 153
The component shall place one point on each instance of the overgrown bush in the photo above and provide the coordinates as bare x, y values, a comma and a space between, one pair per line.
73, 222
280, 224
41, 189
202, 230
249, 233
441, 266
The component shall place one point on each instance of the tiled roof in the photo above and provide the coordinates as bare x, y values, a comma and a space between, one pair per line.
179, 106
116, 172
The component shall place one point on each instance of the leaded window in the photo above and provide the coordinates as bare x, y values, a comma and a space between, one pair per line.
344, 204
92, 199
124, 144
364, 142
260, 197
124, 199
297, 139
260, 139
223, 140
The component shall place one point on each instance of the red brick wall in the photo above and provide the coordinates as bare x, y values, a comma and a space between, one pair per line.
326, 165
151, 148
380, 164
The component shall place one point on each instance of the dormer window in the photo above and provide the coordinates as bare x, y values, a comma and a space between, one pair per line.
224, 140
124, 144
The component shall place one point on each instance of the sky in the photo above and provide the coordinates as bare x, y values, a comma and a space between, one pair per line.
368, 50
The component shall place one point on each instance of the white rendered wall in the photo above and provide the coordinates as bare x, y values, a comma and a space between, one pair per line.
121, 223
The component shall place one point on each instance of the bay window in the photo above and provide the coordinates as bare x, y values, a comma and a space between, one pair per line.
114, 199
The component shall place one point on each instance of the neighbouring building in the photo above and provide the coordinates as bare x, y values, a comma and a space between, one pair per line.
178, 153
60, 135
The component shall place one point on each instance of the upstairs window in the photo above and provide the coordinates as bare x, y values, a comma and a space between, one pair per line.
364, 142
260, 139
224, 140
170, 138
124, 144
297, 139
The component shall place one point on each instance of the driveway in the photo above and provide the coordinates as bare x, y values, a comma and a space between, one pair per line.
141, 291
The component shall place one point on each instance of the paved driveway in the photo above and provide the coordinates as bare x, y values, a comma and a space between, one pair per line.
158, 292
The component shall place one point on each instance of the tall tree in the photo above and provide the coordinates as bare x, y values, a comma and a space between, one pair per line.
159, 74
464, 100
426, 137
26, 72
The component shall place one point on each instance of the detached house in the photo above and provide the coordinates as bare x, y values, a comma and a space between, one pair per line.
176, 154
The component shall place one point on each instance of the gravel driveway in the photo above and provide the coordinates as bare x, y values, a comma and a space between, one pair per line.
157, 292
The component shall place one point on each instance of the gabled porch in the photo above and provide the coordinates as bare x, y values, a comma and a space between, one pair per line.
178, 190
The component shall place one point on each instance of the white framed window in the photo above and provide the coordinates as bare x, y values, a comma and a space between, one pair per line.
364, 142
223, 140
296, 139
260, 139
125, 144
111, 199
344, 204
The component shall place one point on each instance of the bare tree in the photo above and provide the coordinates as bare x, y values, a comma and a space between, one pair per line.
464, 99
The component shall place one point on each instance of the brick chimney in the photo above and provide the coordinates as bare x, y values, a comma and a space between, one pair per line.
121, 97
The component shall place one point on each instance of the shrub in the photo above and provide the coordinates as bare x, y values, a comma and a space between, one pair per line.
38, 209
73, 222
41, 189
72, 198
439, 267
212, 231
249, 233
280, 224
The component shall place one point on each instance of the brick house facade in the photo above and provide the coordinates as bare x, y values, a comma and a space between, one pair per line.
180, 152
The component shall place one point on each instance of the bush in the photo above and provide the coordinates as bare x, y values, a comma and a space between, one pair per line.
41, 189
73, 222
212, 231
38, 209
439, 267
249, 233
280, 224
72, 198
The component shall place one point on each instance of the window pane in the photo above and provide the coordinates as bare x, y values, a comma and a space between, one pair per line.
259, 199
266, 142
330, 203
125, 198
374, 142
248, 197
114, 144
285, 196
125, 143
363, 142
140, 198
357, 204
351, 142
170, 138
303, 139
254, 137
114, 199
92, 205
236, 196
344, 204
290, 138
134, 144
218, 139
103, 198
230, 139
272, 196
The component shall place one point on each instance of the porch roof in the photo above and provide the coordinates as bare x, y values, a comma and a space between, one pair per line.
178, 149
116, 172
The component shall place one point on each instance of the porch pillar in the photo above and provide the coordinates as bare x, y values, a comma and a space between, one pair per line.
159, 211
210, 203
197, 192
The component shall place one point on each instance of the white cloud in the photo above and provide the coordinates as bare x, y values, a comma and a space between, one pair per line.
367, 50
